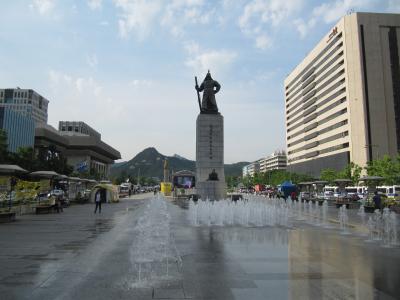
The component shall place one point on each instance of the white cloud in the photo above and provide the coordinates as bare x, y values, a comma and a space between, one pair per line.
104, 23
122, 110
95, 4
92, 60
332, 11
271, 12
69, 92
137, 16
88, 85
259, 16
303, 27
180, 13
202, 60
57, 78
43, 6
192, 47
141, 83
77, 85
263, 42
394, 6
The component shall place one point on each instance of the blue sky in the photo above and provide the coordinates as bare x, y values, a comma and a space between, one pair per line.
127, 67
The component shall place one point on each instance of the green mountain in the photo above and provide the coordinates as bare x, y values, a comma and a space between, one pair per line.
150, 163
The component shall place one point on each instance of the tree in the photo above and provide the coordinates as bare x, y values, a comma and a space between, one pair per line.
3, 147
258, 178
297, 177
232, 181
274, 178
355, 172
247, 181
49, 158
121, 178
329, 175
25, 158
385, 167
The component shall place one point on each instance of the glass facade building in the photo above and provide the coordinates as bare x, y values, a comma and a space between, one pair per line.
20, 129
27, 102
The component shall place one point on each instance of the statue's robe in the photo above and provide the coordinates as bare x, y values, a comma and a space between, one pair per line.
208, 102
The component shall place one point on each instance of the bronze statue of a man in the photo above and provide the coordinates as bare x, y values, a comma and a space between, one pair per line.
209, 87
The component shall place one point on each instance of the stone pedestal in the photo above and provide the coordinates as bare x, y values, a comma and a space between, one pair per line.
210, 156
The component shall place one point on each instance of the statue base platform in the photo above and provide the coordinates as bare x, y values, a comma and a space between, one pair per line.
211, 190
210, 156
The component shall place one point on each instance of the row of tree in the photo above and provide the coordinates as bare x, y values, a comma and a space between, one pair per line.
388, 168
273, 178
141, 180
44, 158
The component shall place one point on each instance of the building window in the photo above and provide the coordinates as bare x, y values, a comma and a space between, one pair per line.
69, 128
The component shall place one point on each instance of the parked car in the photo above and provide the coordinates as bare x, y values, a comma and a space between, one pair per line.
86, 194
57, 193
60, 194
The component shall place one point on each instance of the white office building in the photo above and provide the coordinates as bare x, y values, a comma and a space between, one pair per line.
251, 169
342, 101
275, 161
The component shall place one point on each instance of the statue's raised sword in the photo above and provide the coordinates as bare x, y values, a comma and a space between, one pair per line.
198, 94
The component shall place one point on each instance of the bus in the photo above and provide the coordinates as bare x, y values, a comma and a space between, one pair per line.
391, 191
124, 189
360, 191
330, 192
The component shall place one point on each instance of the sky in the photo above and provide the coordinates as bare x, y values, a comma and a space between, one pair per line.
127, 67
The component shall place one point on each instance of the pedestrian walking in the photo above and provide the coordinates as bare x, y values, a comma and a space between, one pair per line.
377, 200
97, 200
58, 204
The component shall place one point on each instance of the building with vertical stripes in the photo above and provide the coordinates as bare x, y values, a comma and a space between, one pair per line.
26, 102
342, 102
20, 129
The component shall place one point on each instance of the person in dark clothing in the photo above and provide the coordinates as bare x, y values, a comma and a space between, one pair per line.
59, 204
377, 200
97, 200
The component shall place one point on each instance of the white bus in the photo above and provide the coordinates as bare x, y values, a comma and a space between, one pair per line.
360, 191
391, 191
124, 189
331, 192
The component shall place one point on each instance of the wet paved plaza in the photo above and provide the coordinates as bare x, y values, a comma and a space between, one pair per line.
79, 255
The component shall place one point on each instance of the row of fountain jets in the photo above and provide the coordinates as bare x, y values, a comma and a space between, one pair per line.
154, 254
258, 211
